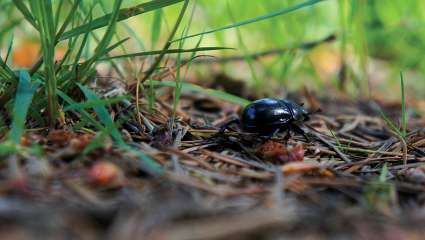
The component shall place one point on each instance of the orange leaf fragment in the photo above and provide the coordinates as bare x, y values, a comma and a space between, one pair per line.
60, 137
277, 152
299, 167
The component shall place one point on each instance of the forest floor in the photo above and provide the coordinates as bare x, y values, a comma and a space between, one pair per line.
355, 178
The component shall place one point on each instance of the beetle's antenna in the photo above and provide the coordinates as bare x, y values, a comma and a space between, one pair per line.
312, 113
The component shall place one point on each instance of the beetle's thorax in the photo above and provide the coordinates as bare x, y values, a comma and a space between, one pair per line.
265, 115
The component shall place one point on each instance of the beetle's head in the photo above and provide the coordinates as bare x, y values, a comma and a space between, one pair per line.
304, 115
301, 114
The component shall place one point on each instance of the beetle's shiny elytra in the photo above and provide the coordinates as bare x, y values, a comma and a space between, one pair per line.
268, 115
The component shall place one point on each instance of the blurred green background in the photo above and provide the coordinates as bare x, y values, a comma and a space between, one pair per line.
375, 40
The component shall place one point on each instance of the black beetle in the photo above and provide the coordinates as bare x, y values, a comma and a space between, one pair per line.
267, 116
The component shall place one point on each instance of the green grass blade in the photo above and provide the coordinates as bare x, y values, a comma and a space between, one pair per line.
403, 107
147, 163
9, 50
211, 92
26, 12
178, 82
156, 27
6, 72
103, 44
58, 11
390, 123
169, 51
84, 43
23, 99
256, 19
43, 13
122, 15
85, 115
103, 114
167, 44
8, 27
135, 36
115, 45
68, 19
9, 148
107, 37
94, 103
118, 37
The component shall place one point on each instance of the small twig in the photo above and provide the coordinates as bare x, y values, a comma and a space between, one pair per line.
83, 192
199, 147
190, 157
385, 146
224, 158
350, 126
398, 167
220, 190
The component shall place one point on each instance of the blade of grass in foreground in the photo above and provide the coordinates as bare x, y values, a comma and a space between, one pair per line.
94, 103
23, 99
256, 19
146, 162
102, 114
210, 92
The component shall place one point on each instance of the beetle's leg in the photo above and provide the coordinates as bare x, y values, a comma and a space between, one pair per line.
267, 136
227, 125
275, 132
299, 130
288, 133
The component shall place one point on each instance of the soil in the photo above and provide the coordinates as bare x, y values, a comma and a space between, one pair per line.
353, 178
